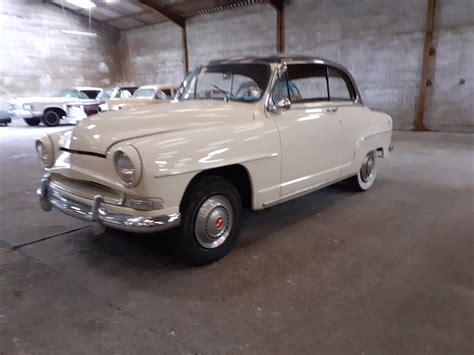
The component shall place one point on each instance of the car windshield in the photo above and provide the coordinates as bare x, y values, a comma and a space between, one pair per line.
68, 93
105, 94
83, 94
144, 93
236, 82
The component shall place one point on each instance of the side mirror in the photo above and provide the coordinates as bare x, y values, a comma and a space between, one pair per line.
284, 104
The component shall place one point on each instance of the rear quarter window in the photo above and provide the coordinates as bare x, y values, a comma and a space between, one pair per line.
91, 94
340, 86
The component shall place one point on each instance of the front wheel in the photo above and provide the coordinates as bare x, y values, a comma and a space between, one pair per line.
51, 118
367, 173
210, 221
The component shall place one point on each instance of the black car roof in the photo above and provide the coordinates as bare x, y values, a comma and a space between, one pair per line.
271, 59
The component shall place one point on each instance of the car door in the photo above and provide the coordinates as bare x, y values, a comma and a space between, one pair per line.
353, 116
309, 129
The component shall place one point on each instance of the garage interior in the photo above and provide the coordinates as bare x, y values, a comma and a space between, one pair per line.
386, 271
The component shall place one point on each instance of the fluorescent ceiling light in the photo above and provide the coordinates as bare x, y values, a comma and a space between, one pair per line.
85, 4
80, 33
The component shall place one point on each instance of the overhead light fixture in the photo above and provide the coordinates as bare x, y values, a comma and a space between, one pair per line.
85, 4
80, 33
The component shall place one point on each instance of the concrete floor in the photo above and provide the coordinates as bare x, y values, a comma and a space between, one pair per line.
389, 271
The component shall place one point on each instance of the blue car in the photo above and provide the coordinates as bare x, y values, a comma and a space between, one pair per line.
5, 118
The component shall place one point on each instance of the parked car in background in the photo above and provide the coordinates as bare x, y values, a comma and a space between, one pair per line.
144, 95
5, 118
249, 132
77, 111
49, 110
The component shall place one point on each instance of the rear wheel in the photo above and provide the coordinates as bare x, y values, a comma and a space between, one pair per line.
367, 173
51, 118
32, 121
210, 221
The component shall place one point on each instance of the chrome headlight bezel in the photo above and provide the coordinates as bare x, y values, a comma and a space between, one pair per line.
45, 150
128, 165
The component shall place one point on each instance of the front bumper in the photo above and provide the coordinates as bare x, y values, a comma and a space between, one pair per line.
74, 115
22, 114
97, 213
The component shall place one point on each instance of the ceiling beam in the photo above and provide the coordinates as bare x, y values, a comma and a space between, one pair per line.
124, 17
192, 8
165, 11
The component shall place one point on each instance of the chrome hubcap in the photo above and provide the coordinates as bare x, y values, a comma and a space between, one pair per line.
367, 171
213, 222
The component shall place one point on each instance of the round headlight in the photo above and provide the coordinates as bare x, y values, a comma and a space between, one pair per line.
44, 148
125, 168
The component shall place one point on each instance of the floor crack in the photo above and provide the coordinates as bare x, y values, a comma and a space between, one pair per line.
19, 246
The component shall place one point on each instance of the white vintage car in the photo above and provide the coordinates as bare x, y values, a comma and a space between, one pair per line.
144, 95
243, 133
49, 110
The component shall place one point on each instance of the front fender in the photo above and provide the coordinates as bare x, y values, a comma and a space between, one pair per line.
170, 160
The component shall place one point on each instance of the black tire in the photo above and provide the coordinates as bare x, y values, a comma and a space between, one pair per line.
35, 121
186, 244
51, 118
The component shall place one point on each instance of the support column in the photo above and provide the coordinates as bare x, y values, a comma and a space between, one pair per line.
184, 40
427, 66
280, 30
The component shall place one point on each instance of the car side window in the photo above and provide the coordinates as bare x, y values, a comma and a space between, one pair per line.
162, 94
125, 94
168, 93
82, 95
88, 94
307, 83
340, 86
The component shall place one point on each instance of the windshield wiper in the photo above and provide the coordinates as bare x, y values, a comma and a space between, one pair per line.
225, 93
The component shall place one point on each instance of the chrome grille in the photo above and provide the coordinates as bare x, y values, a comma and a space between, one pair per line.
15, 107
86, 189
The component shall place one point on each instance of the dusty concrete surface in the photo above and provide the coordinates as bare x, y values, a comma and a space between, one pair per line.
389, 271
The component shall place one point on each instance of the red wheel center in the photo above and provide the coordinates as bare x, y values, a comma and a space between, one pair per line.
219, 223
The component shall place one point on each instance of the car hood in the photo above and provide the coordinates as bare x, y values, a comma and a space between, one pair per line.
135, 102
32, 100
98, 133
84, 102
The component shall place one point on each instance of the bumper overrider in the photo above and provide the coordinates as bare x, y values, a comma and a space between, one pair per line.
97, 213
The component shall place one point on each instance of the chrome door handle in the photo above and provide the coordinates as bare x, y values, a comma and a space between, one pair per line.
331, 109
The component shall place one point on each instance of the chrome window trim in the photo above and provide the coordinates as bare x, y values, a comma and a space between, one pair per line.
357, 100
